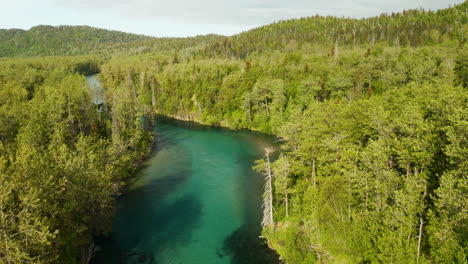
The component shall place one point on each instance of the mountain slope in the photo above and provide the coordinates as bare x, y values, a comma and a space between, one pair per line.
410, 28
48, 40
84, 40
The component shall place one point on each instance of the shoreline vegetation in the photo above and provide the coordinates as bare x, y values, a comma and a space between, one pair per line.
61, 160
372, 114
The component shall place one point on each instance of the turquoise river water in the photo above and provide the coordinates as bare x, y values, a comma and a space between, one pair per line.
196, 201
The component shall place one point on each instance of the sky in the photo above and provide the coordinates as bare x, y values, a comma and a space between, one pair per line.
181, 18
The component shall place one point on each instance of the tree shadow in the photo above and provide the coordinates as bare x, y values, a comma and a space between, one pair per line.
142, 237
245, 247
153, 217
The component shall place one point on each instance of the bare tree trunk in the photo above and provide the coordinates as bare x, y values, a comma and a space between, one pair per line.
88, 253
270, 189
268, 204
142, 80
132, 86
354, 38
69, 105
266, 106
350, 195
250, 113
313, 172
407, 169
335, 53
370, 85
421, 222
115, 125
367, 195
286, 200
153, 96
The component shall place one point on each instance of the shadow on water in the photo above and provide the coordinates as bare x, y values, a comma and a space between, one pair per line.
158, 214
245, 247
150, 219
156, 190
244, 244
169, 223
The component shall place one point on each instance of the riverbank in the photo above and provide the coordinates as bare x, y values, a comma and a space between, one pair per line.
223, 124
246, 233
196, 199
272, 244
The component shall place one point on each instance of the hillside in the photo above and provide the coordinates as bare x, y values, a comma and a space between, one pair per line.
84, 40
410, 28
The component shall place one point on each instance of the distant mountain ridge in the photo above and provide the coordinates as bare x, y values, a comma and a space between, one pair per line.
62, 40
46, 40
414, 27
409, 28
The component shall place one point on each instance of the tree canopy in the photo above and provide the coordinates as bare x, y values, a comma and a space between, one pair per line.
372, 115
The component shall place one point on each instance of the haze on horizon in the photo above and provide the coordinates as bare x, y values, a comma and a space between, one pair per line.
181, 18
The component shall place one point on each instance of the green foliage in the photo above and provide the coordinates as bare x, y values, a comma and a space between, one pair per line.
84, 40
461, 68
291, 243
410, 28
59, 169
369, 141
372, 113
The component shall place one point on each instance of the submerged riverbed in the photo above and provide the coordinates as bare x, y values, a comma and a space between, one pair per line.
197, 200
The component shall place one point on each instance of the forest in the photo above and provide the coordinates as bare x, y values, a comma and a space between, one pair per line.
371, 114
84, 40
61, 160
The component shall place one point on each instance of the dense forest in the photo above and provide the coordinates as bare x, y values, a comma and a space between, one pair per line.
84, 40
373, 167
61, 160
409, 28
372, 116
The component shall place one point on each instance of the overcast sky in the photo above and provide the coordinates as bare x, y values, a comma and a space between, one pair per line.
188, 18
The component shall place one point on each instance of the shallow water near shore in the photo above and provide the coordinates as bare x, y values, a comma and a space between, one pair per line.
197, 200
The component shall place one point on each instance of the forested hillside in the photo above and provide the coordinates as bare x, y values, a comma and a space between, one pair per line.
372, 114
84, 40
409, 28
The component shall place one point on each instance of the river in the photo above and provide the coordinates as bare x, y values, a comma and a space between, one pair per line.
97, 91
196, 200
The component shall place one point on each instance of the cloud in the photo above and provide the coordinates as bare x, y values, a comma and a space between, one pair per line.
188, 17
246, 12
